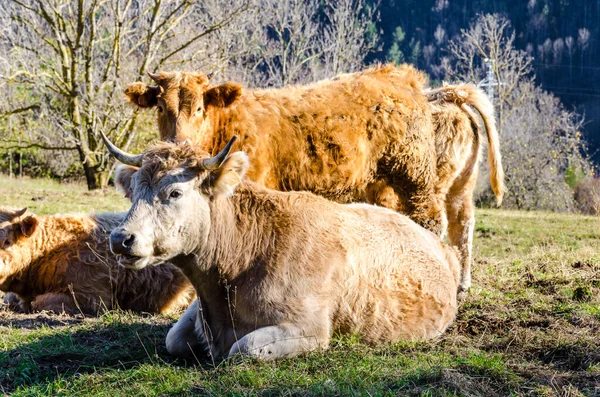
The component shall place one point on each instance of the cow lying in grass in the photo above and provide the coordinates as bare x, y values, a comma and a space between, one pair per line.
278, 273
63, 263
376, 136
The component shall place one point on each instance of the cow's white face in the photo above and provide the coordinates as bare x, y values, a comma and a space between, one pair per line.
170, 215
160, 224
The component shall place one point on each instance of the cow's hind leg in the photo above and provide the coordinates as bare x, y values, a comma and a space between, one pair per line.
461, 224
183, 338
284, 340
407, 174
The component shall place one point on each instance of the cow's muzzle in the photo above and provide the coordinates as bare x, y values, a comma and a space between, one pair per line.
121, 242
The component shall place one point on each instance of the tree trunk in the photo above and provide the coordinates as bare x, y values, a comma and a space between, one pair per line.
90, 170
103, 178
92, 176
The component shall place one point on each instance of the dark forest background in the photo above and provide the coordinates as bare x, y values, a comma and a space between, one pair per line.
561, 35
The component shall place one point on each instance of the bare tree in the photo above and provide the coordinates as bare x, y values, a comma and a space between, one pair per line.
349, 35
72, 57
570, 44
289, 39
583, 40
439, 35
306, 40
490, 38
541, 141
558, 48
545, 50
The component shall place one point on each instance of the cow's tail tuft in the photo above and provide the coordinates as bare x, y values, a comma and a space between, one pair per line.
467, 94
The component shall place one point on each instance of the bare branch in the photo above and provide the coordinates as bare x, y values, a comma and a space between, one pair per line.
19, 110
35, 145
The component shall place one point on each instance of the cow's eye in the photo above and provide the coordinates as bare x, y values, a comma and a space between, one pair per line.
160, 108
175, 194
5, 244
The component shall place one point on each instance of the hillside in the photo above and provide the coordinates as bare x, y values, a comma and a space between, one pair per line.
543, 28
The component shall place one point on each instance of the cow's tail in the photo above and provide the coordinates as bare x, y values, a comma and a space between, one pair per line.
467, 94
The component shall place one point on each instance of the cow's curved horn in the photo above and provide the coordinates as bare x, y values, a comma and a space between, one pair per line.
212, 163
153, 76
17, 213
123, 157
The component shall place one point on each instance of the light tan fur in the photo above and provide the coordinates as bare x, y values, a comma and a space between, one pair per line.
63, 263
467, 94
376, 136
278, 273
458, 145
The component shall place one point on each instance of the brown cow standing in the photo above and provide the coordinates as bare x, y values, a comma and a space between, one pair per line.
278, 273
372, 136
63, 263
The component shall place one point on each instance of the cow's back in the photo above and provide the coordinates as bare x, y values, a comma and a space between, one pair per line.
400, 280
333, 137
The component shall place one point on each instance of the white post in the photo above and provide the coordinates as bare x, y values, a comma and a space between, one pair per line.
490, 80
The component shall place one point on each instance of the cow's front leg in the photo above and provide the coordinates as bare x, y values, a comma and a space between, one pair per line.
185, 337
280, 341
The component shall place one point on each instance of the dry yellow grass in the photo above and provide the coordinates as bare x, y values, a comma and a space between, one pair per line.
46, 196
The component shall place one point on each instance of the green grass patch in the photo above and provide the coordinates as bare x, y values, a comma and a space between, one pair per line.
530, 324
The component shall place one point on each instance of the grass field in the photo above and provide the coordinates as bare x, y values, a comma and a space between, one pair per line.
45, 196
529, 326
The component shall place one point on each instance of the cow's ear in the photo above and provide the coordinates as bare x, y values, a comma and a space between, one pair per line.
143, 95
222, 95
28, 225
230, 174
123, 175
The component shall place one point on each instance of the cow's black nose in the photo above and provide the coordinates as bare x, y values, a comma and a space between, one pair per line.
121, 242
128, 242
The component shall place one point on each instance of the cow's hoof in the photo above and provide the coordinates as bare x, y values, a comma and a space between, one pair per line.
465, 284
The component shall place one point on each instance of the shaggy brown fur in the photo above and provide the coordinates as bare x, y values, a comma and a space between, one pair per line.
370, 136
63, 263
339, 138
278, 273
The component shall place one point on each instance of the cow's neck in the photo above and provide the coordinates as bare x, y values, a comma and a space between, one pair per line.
241, 237
241, 119
239, 250
215, 133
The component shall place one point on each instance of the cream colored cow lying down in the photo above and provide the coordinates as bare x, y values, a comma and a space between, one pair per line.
278, 273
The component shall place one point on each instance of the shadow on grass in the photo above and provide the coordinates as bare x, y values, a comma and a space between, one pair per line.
30, 322
70, 351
